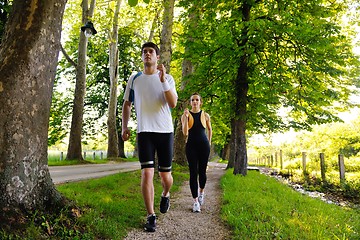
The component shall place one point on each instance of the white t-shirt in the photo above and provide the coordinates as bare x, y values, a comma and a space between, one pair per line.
152, 111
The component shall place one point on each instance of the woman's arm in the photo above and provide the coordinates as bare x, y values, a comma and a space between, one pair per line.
185, 122
208, 126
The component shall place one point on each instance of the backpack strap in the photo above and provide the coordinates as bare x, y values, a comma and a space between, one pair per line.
132, 93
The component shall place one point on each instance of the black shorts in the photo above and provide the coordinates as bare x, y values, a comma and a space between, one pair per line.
162, 144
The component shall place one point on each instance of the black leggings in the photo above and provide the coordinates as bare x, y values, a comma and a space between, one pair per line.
198, 157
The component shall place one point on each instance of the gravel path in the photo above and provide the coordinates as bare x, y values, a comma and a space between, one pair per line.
181, 223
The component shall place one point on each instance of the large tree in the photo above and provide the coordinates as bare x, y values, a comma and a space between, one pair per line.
113, 140
271, 55
75, 148
130, 35
166, 34
187, 70
28, 60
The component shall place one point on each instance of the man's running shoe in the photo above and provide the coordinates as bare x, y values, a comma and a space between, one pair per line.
164, 204
201, 198
196, 207
150, 224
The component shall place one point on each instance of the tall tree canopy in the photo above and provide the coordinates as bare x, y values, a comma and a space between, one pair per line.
270, 56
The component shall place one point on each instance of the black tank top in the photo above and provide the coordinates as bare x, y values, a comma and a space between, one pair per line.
197, 131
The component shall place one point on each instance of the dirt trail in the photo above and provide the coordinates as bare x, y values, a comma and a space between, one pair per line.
181, 223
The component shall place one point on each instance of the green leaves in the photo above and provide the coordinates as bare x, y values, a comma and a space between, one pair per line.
133, 3
297, 56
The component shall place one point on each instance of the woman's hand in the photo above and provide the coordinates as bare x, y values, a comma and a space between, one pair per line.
186, 112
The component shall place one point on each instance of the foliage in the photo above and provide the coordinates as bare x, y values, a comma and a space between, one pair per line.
59, 113
293, 50
275, 211
5, 8
331, 139
41, 225
131, 35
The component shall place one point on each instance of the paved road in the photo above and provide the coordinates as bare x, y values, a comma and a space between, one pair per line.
64, 174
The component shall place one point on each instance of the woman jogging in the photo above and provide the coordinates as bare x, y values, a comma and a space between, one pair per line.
195, 122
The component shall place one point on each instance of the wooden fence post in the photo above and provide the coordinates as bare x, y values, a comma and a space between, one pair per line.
84, 155
101, 155
94, 155
281, 160
276, 158
61, 156
322, 167
342, 168
304, 162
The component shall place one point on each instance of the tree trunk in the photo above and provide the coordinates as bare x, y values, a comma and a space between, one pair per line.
121, 150
179, 144
166, 34
121, 146
241, 88
240, 166
187, 69
153, 25
113, 141
28, 60
225, 152
74, 148
232, 146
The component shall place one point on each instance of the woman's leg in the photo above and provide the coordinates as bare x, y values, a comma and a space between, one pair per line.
193, 169
203, 162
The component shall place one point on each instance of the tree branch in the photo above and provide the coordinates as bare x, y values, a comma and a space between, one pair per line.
68, 57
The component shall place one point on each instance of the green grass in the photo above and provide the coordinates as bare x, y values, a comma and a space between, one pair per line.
112, 205
54, 159
255, 207
259, 207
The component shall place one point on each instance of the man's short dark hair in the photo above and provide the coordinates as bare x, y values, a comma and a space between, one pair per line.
151, 45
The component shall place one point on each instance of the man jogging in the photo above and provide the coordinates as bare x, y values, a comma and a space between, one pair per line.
153, 94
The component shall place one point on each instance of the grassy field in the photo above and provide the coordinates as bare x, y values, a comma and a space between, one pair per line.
259, 207
255, 207
112, 205
55, 159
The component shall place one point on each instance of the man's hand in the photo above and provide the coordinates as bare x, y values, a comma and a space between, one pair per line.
125, 134
162, 72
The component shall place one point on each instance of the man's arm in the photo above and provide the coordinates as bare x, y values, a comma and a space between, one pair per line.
170, 96
126, 110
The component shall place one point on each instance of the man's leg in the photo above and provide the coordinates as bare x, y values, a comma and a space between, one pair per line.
167, 182
165, 153
147, 188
